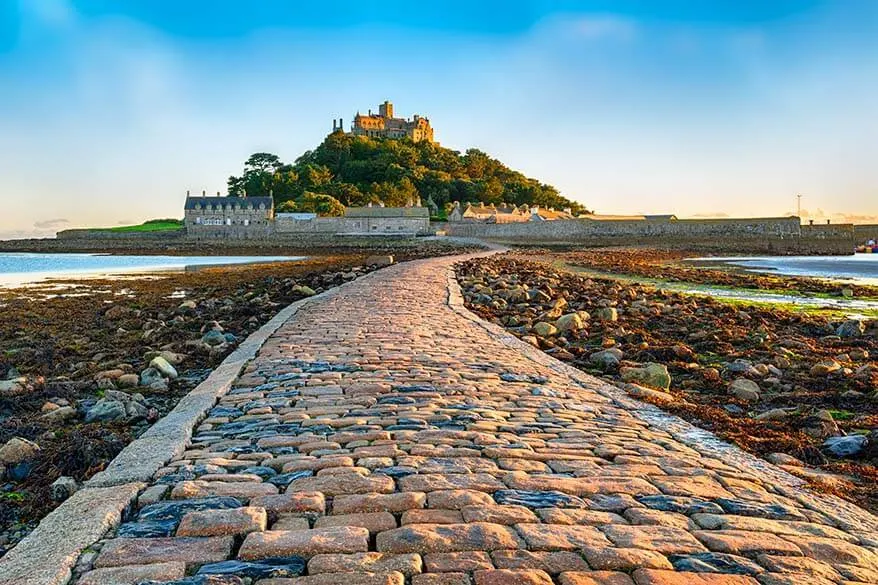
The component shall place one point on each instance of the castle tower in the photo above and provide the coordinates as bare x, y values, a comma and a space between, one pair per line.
385, 110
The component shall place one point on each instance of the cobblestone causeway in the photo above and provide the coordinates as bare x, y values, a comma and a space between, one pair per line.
382, 436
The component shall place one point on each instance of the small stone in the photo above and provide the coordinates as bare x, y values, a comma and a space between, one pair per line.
305, 291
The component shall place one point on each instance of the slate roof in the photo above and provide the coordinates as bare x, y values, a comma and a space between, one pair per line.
246, 202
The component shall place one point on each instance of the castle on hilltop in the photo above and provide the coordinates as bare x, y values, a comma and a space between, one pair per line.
385, 125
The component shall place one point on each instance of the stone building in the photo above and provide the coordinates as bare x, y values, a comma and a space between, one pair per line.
385, 125
228, 217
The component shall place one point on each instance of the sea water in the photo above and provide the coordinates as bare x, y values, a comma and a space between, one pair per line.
20, 268
855, 269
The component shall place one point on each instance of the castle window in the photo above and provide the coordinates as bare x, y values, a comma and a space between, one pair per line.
198, 220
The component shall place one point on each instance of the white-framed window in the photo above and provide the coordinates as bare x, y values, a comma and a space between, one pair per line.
246, 222
198, 220
228, 221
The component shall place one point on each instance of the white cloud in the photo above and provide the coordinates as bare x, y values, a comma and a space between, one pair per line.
49, 13
590, 27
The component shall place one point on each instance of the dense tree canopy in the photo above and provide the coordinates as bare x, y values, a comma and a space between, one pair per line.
357, 170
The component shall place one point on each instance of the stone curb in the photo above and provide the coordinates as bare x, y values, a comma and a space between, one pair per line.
842, 512
48, 554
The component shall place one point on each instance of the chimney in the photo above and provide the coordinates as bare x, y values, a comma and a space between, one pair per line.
810, 222
827, 222
204, 192
187, 192
217, 193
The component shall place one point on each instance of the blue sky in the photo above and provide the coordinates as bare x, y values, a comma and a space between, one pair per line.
110, 109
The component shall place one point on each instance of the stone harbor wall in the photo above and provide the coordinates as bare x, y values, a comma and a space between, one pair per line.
758, 235
353, 225
864, 233
156, 236
297, 242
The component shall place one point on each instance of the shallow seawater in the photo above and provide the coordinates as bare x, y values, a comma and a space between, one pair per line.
854, 269
21, 268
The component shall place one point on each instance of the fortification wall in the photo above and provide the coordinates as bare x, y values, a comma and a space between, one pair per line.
353, 225
864, 233
760, 235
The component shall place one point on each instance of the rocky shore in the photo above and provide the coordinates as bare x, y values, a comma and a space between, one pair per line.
86, 366
798, 389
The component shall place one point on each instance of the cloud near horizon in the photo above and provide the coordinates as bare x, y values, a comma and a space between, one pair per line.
51, 224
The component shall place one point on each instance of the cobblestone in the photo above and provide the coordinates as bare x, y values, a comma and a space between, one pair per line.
384, 436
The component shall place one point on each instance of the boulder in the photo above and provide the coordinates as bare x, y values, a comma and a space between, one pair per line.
744, 389
607, 314
305, 291
106, 410
569, 322
606, 358
651, 375
14, 386
59, 414
379, 260
821, 425
213, 337
18, 449
163, 367
825, 368
63, 488
128, 380
847, 446
149, 376
544, 329
851, 328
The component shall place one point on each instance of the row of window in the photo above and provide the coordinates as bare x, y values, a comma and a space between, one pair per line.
227, 207
227, 221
